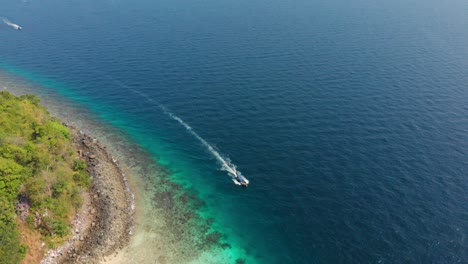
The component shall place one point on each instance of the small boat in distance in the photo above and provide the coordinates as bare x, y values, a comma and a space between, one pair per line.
239, 179
13, 25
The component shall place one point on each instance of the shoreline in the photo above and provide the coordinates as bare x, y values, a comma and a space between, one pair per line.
169, 225
104, 223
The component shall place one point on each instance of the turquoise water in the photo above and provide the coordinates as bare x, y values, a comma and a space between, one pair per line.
348, 117
181, 171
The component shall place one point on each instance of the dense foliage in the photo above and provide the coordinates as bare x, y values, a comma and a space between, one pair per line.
41, 176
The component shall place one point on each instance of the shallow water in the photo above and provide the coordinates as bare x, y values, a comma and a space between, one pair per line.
348, 117
169, 227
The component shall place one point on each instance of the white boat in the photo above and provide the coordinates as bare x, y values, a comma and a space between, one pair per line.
239, 179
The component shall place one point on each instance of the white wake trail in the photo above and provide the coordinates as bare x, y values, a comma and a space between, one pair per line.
11, 24
225, 163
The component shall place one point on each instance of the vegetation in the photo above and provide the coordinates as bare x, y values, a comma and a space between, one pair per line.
41, 176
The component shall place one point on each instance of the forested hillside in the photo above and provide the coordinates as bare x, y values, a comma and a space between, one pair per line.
41, 176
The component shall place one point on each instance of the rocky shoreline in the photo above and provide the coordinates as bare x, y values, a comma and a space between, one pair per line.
104, 223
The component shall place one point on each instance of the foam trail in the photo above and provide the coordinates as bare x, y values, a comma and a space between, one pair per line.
11, 24
226, 164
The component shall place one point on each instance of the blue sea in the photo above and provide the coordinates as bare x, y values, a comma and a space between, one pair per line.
349, 118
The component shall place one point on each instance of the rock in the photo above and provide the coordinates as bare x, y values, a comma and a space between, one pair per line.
77, 231
108, 203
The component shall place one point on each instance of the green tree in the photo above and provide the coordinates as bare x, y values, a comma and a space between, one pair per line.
37, 161
10, 178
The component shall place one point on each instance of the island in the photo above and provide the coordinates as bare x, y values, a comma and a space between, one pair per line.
63, 197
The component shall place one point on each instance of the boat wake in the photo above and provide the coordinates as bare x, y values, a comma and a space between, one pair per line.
226, 164
11, 24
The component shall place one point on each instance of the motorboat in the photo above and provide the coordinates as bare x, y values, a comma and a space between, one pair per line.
239, 179
13, 25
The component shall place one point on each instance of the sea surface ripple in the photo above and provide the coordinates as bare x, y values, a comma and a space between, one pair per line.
348, 117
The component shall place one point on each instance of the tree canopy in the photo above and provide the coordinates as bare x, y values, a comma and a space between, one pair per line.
39, 169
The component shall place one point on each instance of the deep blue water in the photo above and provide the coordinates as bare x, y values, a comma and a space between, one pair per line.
350, 118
